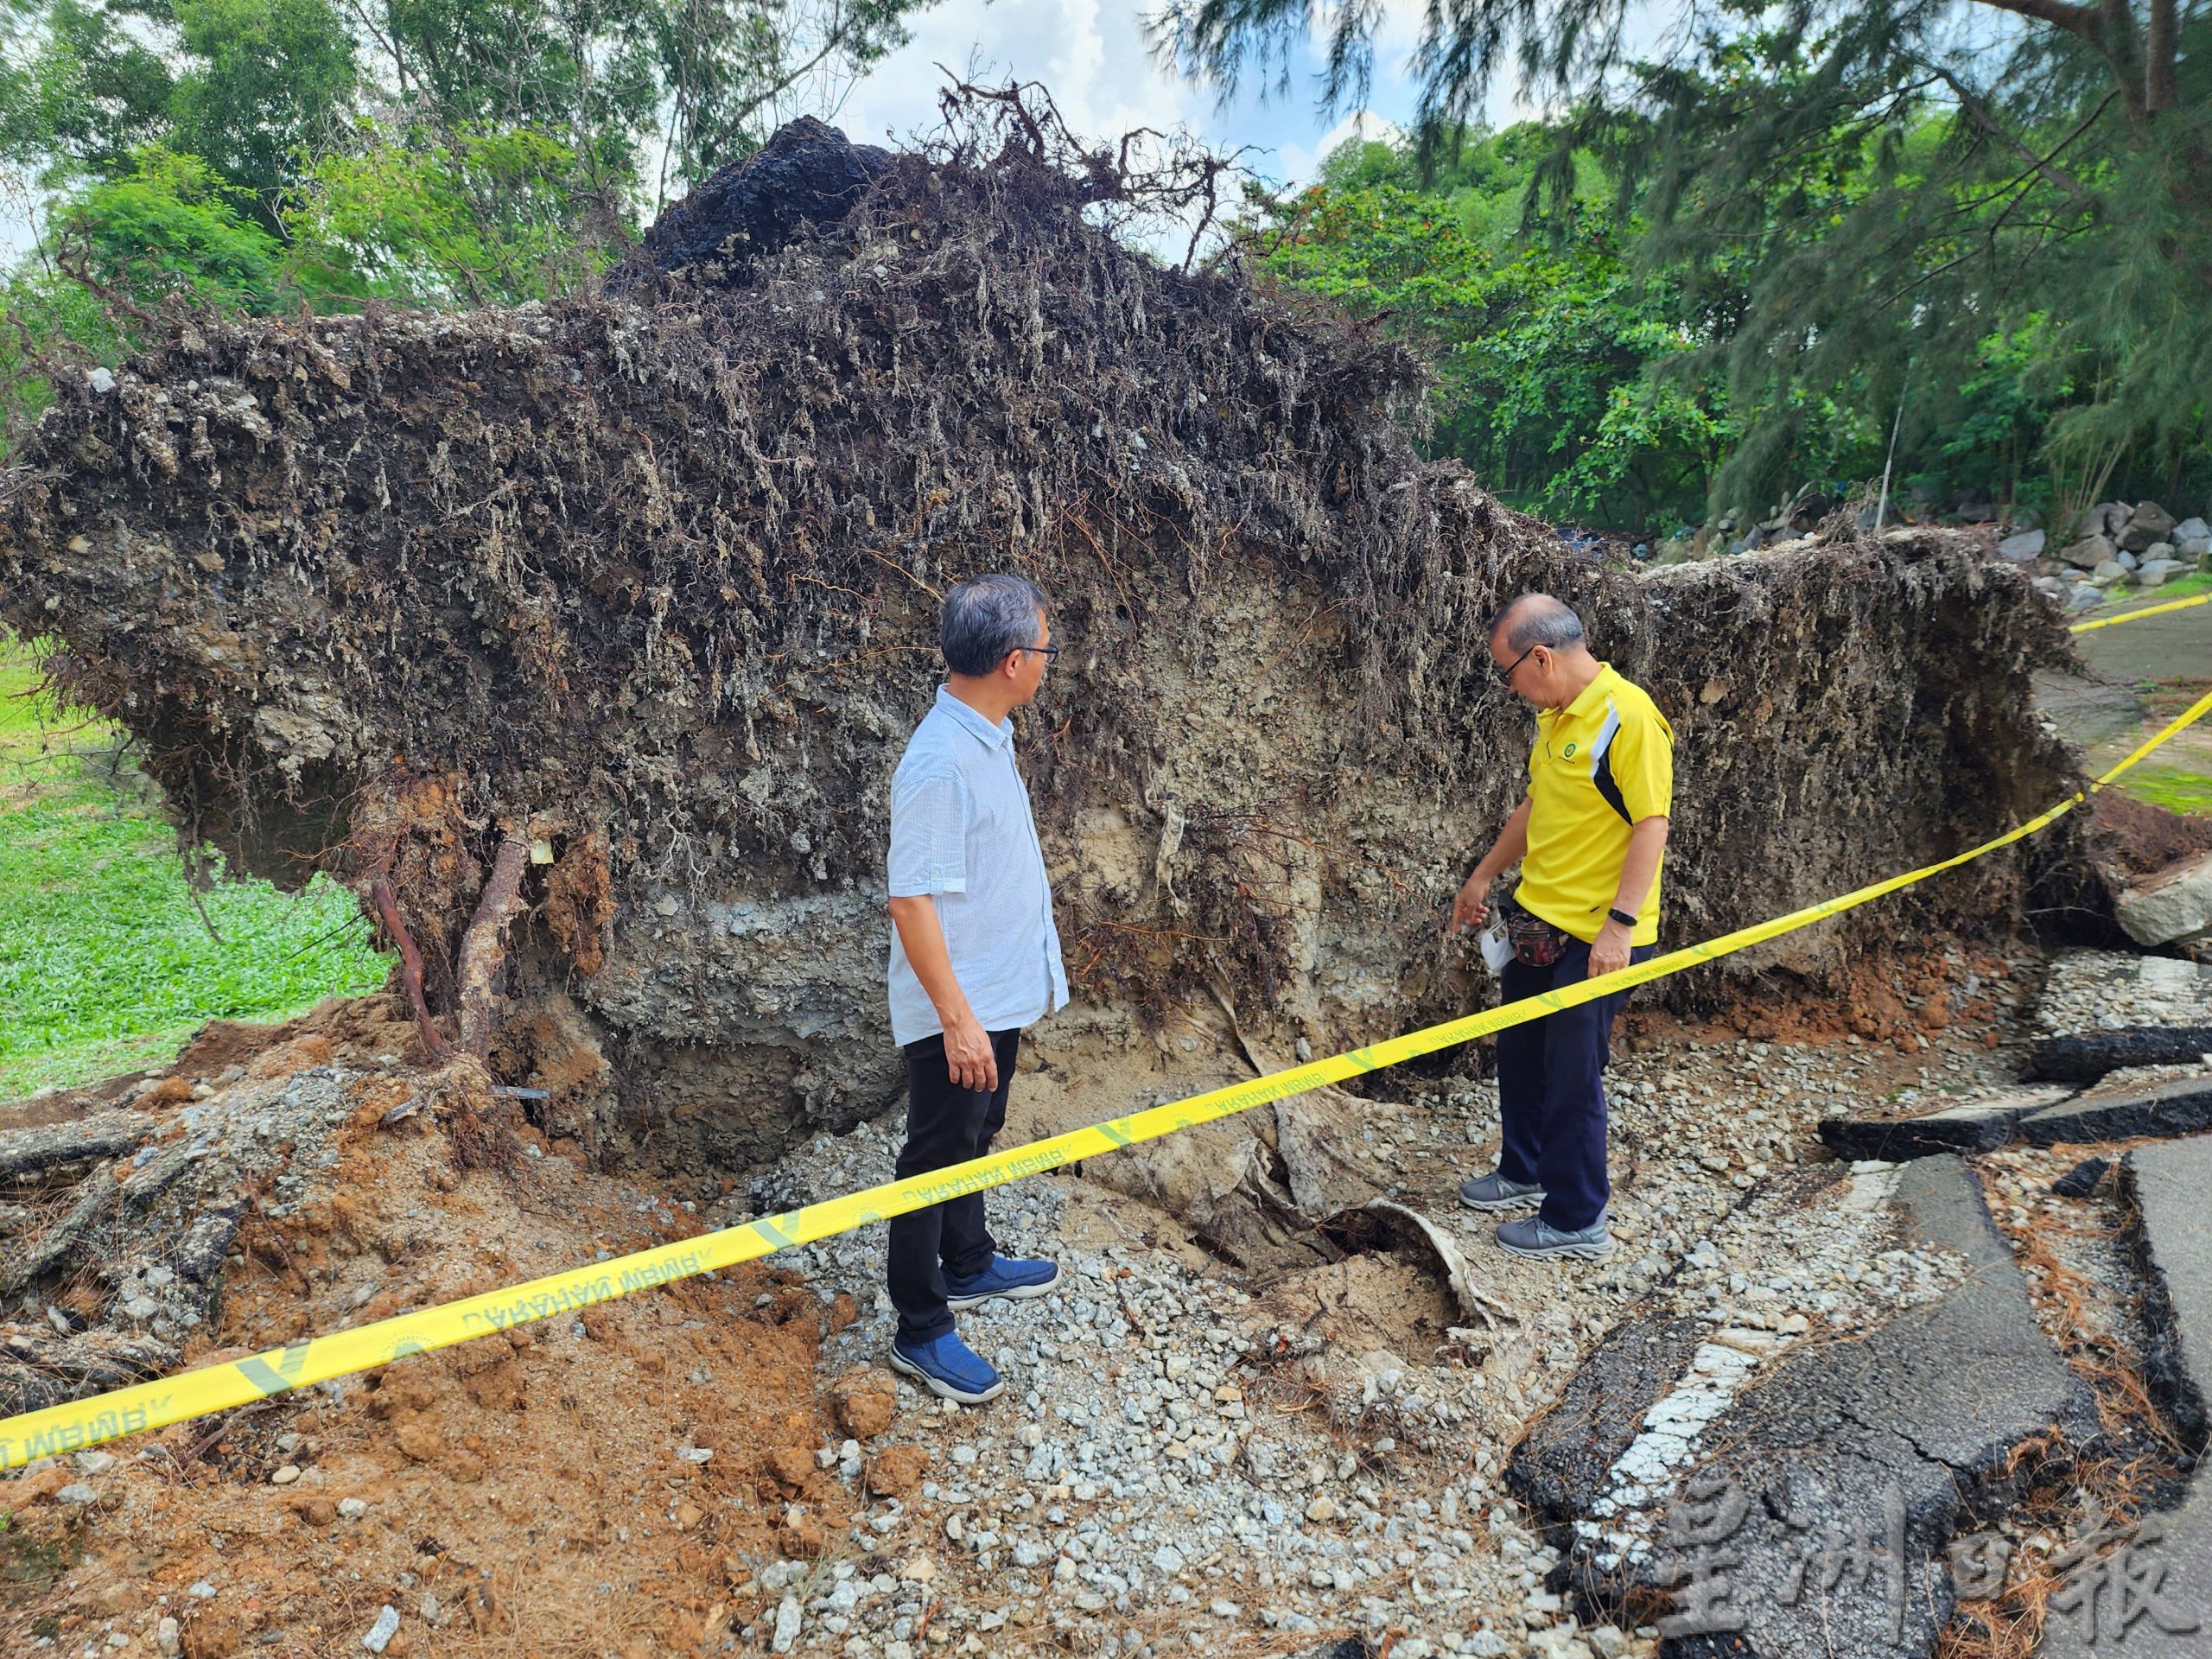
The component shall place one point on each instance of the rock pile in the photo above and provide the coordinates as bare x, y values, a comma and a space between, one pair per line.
2116, 546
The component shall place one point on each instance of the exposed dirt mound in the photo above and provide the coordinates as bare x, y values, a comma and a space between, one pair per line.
602, 1482
646, 585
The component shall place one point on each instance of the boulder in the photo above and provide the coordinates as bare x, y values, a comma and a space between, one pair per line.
2192, 538
2109, 573
2020, 548
2050, 588
2149, 523
2105, 518
2089, 552
2153, 572
2174, 903
2083, 597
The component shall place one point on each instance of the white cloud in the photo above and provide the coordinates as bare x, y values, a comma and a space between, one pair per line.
1091, 55
1297, 163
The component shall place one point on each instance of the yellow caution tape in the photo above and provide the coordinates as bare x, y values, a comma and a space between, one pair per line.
219, 1388
2148, 610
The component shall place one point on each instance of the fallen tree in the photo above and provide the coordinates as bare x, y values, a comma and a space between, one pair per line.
633, 597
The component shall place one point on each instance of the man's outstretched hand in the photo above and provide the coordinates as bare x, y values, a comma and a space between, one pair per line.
1468, 908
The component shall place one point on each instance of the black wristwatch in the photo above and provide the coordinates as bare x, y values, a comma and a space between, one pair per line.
1624, 919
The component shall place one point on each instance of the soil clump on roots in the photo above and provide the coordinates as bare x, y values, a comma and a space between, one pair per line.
582, 638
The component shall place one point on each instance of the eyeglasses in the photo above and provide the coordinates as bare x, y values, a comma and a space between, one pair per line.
1505, 675
1046, 651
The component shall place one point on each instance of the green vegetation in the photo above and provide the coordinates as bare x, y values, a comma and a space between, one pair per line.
2175, 788
2139, 598
1719, 276
259, 154
107, 962
1546, 351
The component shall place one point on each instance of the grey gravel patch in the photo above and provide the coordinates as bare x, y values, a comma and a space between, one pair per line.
2111, 990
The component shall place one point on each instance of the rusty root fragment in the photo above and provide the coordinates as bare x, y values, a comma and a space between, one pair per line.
483, 947
410, 968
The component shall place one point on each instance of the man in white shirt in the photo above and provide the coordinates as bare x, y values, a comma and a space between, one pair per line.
974, 957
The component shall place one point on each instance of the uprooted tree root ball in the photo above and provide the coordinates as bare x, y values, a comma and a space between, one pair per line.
632, 599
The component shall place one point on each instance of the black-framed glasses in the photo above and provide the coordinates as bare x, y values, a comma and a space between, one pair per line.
1048, 652
1505, 675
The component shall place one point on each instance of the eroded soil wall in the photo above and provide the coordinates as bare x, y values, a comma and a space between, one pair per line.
649, 582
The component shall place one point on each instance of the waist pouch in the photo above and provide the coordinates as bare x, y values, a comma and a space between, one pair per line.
1536, 943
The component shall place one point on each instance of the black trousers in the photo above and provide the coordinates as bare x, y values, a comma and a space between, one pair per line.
1551, 1090
946, 1124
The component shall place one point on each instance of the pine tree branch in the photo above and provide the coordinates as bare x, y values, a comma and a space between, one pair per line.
2080, 21
2116, 41
2044, 166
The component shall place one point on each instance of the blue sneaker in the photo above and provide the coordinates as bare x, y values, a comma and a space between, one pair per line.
1007, 1276
949, 1369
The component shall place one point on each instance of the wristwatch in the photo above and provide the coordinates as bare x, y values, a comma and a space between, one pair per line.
1623, 917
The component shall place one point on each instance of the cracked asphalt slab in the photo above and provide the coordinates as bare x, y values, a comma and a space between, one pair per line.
1816, 1515
2088, 1056
2123, 1110
2147, 1589
1971, 1126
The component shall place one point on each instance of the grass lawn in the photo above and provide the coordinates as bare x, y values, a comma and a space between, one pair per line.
2175, 788
105, 964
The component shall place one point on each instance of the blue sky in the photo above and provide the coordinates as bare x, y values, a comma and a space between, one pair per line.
1092, 55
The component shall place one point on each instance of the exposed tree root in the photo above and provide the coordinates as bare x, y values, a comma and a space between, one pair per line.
410, 969
483, 947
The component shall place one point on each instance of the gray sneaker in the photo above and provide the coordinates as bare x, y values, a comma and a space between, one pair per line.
1494, 1191
1533, 1236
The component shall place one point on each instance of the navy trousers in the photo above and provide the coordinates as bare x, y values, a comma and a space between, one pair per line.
1551, 1090
946, 1124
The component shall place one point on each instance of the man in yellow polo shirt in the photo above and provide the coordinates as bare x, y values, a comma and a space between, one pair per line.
1589, 836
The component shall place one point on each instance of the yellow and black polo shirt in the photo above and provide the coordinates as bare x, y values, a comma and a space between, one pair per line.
1599, 765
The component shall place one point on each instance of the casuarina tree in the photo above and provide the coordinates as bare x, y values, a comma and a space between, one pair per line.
1873, 197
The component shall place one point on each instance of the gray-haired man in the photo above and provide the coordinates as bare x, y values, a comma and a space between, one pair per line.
974, 957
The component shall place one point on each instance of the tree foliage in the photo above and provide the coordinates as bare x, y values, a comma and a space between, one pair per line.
1930, 204
436, 151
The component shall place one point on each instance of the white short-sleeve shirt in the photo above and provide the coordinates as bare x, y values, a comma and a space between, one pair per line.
963, 835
